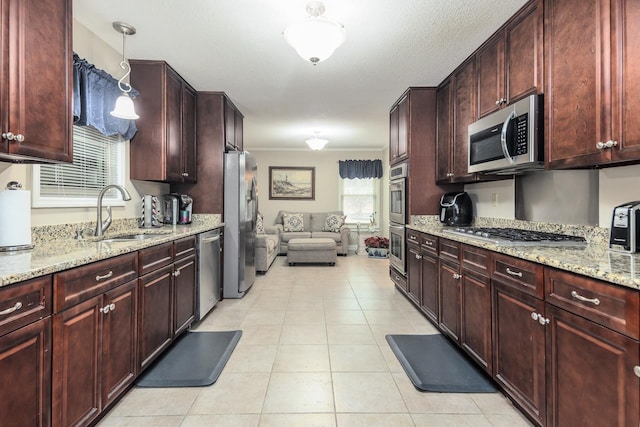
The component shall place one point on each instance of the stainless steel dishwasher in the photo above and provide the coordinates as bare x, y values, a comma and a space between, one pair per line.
209, 286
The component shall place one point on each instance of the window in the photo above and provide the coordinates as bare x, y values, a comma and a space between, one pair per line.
98, 160
359, 200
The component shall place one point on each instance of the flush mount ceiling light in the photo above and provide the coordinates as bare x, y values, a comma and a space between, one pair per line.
316, 37
124, 104
316, 143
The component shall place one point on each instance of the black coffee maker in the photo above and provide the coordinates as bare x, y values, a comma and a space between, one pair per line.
456, 209
185, 209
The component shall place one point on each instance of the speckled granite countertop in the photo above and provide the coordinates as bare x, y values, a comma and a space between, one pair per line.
593, 260
56, 250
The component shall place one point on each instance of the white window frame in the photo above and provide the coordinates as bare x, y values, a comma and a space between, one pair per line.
377, 188
112, 198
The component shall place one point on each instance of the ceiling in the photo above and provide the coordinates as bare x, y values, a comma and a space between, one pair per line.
236, 46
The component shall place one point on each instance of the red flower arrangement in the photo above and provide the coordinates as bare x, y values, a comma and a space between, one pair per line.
376, 242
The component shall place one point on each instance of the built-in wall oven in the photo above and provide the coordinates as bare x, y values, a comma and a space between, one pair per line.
397, 216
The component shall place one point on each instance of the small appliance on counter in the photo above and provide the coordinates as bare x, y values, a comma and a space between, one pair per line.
456, 209
185, 209
170, 204
151, 216
15, 218
625, 232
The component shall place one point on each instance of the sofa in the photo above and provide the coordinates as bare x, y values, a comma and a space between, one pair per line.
267, 248
314, 225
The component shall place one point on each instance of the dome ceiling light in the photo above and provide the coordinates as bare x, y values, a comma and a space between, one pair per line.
316, 143
316, 37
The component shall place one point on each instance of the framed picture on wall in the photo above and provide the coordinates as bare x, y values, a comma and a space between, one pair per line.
292, 183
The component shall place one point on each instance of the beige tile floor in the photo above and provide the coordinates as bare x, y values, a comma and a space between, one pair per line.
313, 353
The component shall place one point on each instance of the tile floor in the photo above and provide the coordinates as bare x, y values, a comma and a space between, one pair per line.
313, 353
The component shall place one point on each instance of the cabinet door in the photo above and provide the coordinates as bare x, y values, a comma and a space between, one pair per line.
591, 379
229, 125
414, 273
77, 335
184, 294
491, 76
393, 135
38, 92
430, 286
464, 113
443, 140
174, 125
578, 94
119, 341
189, 166
403, 128
475, 328
524, 53
239, 130
449, 282
155, 322
25, 363
519, 348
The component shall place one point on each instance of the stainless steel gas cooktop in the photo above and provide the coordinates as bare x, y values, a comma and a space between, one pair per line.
517, 237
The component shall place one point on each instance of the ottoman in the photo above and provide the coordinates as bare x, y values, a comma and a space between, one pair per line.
319, 250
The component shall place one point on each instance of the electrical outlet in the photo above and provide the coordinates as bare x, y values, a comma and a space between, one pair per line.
494, 199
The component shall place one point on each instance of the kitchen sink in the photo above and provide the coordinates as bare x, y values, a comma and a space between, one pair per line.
134, 237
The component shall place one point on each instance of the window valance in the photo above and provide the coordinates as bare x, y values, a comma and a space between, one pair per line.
94, 95
352, 169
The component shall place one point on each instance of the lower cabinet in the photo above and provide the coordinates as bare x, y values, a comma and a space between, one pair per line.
475, 326
184, 294
449, 291
429, 286
414, 273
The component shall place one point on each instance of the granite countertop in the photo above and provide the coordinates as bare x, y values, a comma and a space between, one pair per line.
62, 252
593, 260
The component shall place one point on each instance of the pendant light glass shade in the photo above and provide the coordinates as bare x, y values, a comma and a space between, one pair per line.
316, 37
124, 108
316, 143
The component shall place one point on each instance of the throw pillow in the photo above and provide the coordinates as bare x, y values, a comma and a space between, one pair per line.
333, 223
259, 224
292, 222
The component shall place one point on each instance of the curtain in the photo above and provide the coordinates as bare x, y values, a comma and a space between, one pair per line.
352, 169
94, 96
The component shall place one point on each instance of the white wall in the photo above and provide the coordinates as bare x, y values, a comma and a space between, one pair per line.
617, 186
482, 196
327, 180
88, 46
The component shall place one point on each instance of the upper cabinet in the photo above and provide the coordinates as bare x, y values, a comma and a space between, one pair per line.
399, 130
164, 149
510, 64
592, 92
233, 121
35, 104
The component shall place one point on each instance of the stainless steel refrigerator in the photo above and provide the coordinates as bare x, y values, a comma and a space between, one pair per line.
240, 213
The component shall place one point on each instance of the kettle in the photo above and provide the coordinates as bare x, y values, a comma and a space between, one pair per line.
456, 209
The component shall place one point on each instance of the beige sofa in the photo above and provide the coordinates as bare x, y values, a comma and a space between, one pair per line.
313, 224
267, 248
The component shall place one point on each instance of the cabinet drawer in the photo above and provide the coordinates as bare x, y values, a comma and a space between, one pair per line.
184, 247
413, 237
612, 306
429, 243
24, 302
476, 259
155, 257
79, 284
398, 279
521, 274
450, 250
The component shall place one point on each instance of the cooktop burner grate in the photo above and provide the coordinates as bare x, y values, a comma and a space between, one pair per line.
518, 237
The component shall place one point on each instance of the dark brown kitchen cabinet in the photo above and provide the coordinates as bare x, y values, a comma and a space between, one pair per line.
399, 148
393, 134
25, 352
510, 64
35, 110
184, 284
592, 51
398, 279
429, 253
233, 122
449, 291
164, 147
414, 267
444, 143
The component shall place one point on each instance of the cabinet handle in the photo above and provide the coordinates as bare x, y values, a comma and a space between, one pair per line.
185, 174
418, 256
539, 318
106, 276
10, 136
576, 295
104, 310
412, 237
535, 315
457, 276
599, 145
636, 370
610, 143
176, 273
397, 277
501, 101
16, 307
428, 243
112, 306
514, 273
450, 175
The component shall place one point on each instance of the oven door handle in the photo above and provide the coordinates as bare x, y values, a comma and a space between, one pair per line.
503, 137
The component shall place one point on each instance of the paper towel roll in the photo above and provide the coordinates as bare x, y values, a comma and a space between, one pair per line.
15, 217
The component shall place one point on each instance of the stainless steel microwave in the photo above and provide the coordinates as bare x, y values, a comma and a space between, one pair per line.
510, 140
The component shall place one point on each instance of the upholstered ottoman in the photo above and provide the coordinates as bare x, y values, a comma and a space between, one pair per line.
318, 250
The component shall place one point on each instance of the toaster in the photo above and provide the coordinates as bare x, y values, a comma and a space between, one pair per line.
456, 209
625, 227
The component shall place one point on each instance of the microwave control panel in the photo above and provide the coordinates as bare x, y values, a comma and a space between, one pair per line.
521, 134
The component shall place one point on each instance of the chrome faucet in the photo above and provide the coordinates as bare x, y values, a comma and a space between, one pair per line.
101, 227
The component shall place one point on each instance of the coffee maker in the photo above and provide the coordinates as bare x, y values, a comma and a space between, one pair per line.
176, 208
185, 209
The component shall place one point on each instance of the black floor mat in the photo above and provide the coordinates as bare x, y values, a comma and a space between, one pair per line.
434, 364
196, 359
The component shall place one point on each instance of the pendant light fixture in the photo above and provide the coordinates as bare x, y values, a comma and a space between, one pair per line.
316, 143
316, 37
124, 108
